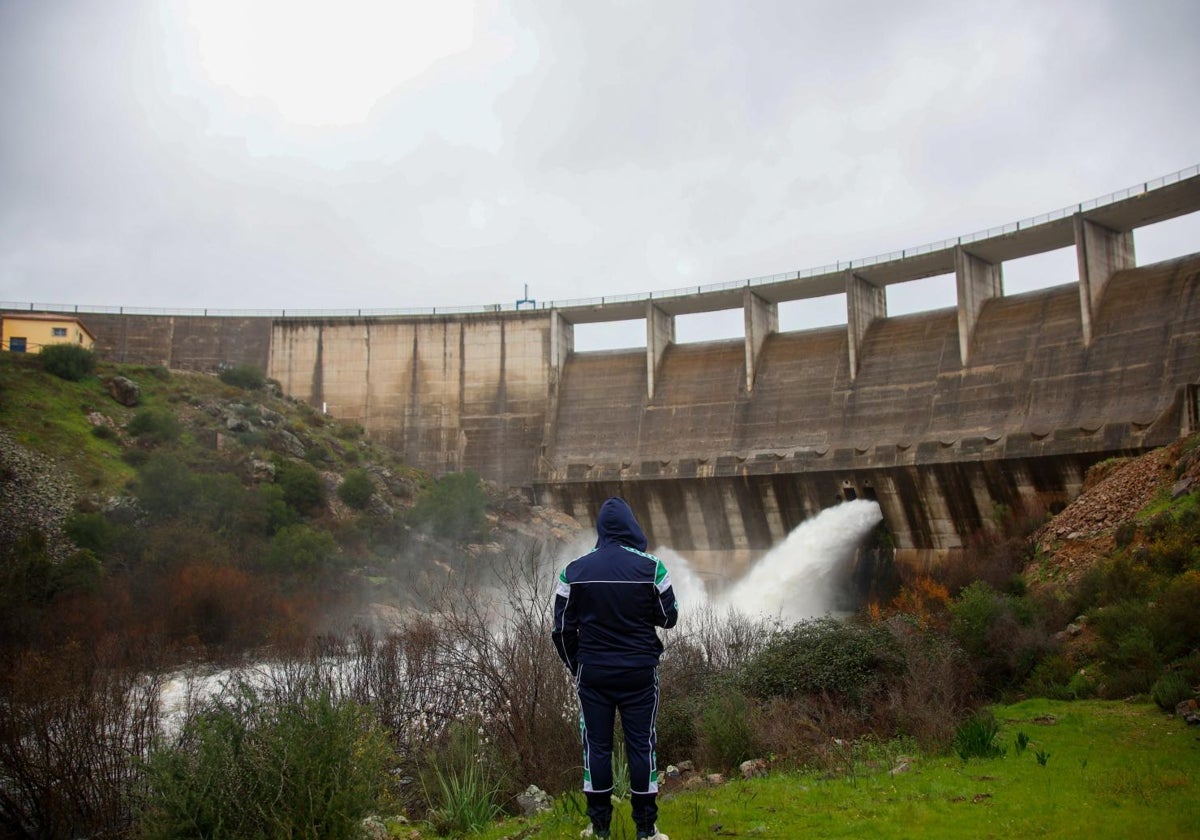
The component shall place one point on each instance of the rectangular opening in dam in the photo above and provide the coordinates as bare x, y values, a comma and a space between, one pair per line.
710, 326
924, 295
1167, 240
610, 335
1041, 271
811, 313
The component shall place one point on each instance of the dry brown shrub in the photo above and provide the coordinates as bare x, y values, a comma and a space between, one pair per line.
72, 734
788, 731
934, 690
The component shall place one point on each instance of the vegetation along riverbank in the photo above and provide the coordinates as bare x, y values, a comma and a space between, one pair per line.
372, 643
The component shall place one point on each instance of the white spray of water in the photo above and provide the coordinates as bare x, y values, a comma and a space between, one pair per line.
795, 579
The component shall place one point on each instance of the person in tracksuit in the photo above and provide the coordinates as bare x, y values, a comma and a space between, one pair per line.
606, 607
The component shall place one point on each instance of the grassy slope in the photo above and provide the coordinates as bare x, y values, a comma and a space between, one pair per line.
1114, 770
49, 415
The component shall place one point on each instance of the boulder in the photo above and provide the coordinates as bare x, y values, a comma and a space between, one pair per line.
125, 391
534, 801
753, 768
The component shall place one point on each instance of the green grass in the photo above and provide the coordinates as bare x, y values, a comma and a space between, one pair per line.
1111, 769
49, 415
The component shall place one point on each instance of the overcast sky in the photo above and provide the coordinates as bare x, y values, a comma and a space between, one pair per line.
272, 154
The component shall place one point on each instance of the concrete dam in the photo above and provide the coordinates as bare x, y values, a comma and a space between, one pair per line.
944, 417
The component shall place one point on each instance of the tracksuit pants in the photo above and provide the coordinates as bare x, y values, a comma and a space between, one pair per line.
634, 693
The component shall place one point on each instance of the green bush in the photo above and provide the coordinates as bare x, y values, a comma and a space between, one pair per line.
1132, 668
81, 572
68, 361
356, 489
1081, 686
303, 487
166, 486
1051, 678
1120, 577
246, 377
317, 453
822, 655
247, 767
725, 735
999, 635
220, 502
1171, 553
276, 512
155, 426
92, 531
301, 548
104, 432
1175, 619
1170, 690
454, 507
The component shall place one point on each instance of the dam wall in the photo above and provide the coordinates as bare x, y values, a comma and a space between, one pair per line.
940, 444
182, 342
469, 392
947, 417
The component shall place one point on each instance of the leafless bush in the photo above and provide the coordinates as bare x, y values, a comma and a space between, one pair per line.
496, 641
72, 736
788, 730
933, 692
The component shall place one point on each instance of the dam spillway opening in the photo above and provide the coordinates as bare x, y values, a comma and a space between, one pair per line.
811, 573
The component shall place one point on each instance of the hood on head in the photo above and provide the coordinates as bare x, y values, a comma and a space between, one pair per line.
616, 524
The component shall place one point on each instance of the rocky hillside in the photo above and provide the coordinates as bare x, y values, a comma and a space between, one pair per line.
80, 447
1115, 493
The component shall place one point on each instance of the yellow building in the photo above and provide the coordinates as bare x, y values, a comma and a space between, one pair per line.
30, 332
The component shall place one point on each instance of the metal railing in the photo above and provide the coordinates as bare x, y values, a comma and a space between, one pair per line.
606, 300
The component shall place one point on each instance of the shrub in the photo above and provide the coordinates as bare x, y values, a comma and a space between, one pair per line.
822, 655
154, 426
67, 361
976, 737
74, 730
725, 737
1081, 686
302, 486
1171, 553
1175, 620
81, 572
1051, 678
1124, 534
356, 489
298, 548
933, 688
90, 530
104, 432
265, 511
1170, 690
317, 453
351, 431
246, 377
997, 632
246, 767
1132, 667
166, 486
454, 507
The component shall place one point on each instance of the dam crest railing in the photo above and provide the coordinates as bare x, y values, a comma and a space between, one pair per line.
750, 282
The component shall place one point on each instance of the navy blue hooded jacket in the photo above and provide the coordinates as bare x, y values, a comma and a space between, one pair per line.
609, 601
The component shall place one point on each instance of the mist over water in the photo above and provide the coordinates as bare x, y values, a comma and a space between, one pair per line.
796, 579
